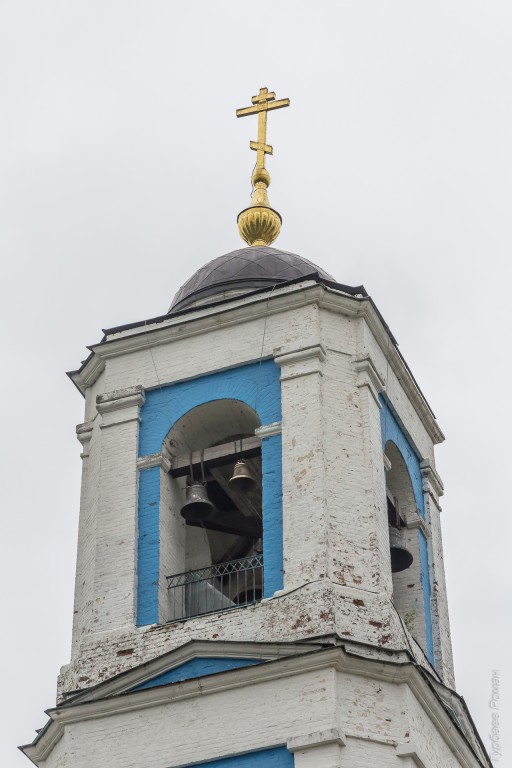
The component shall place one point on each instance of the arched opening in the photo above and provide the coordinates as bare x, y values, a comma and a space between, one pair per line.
403, 514
212, 559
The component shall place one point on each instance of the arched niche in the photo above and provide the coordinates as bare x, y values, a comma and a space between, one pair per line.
408, 595
204, 444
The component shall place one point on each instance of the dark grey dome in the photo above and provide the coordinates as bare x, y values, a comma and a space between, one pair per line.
243, 271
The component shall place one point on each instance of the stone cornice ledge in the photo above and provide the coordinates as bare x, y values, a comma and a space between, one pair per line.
120, 406
196, 323
269, 430
154, 460
415, 520
120, 398
408, 749
432, 483
334, 657
316, 739
302, 294
300, 362
369, 376
84, 431
84, 435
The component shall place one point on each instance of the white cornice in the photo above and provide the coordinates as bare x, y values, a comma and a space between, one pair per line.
415, 520
301, 362
120, 398
432, 483
316, 739
238, 312
89, 373
408, 749
369, 376
269, 430
192, 650
84, 435
154, 460
85, 707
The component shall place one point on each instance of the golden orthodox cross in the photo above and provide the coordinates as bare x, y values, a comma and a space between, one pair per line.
263, 103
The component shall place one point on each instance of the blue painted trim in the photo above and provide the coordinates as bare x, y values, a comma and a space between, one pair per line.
392, 431
272, 472
258, 386
276, 757
148, 546
199, 667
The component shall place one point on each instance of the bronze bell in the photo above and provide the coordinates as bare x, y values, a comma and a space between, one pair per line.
241, 481
401, 558
197, 506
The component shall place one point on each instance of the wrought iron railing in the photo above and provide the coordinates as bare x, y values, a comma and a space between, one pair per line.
220, 587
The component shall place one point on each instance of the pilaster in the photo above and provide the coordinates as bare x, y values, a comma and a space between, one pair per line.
116, 530
84, 581
432, 490
372, 515
304, 520
318, 749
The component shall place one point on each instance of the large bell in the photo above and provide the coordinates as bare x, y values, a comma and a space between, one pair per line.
197, 506
242, 481
401, 558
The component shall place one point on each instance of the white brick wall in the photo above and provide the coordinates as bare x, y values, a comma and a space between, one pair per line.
335, 525
329, 718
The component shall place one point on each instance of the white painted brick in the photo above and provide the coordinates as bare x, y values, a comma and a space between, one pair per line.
336, 557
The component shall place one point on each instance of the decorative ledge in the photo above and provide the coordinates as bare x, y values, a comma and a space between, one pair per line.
316, 739
120, 398
369, 376
154, 460
408, 749
301, 362
120, 406
268, 430
84, 434
415, 520
432, 483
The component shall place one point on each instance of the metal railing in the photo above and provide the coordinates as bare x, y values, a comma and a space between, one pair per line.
220, 587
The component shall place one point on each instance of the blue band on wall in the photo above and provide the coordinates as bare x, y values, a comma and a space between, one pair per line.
392, 431
148, 546
272, 472
199, 667
258, 386
277, 757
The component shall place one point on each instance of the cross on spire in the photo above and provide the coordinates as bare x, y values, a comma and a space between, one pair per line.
262, 103
259, 224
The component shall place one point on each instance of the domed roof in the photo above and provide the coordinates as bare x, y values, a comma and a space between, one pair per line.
242, 271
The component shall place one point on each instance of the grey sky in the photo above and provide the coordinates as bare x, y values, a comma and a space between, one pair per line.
122, 170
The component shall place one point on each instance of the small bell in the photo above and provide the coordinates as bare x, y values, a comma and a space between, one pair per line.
401, 558
198, 506
241, 481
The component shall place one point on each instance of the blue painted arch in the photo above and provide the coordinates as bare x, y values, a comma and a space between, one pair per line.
393, 432
258, 386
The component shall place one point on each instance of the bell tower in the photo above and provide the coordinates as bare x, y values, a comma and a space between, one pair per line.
260, 575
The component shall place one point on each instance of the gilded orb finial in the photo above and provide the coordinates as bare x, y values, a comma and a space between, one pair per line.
259, 224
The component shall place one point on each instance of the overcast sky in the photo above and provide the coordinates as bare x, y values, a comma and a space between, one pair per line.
122, 170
